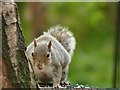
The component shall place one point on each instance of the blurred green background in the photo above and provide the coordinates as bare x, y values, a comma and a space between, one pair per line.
93, 25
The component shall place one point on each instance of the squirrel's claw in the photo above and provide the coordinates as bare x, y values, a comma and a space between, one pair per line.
57, 86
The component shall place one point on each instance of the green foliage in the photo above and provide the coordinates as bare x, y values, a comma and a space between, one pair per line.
94, 31
93, 25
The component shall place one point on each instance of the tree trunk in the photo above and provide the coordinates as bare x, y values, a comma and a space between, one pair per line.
16, 69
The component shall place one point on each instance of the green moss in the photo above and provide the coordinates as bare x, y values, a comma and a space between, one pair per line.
6, 56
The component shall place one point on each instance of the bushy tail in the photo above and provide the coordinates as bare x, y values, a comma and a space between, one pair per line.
64, 36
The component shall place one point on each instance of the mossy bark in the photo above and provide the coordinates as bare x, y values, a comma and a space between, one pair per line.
19, 70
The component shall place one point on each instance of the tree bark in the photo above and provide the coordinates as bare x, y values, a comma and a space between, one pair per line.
16, 68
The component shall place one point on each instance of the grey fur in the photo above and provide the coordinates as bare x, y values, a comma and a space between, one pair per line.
62, 45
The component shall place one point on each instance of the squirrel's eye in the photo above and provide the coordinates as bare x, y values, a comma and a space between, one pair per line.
47, 55
33, 54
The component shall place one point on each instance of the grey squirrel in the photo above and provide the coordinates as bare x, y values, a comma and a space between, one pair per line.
51, 53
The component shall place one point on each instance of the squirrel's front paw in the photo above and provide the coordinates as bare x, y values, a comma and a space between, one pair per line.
57, 86
65, 83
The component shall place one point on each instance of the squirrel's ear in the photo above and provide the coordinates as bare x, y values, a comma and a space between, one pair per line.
49, 45
35, 42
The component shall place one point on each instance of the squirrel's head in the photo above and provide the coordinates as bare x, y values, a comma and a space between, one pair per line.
42, 54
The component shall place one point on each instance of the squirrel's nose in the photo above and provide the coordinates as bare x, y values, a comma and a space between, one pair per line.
39, 66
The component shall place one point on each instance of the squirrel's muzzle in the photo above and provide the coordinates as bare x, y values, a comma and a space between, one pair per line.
40, 67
